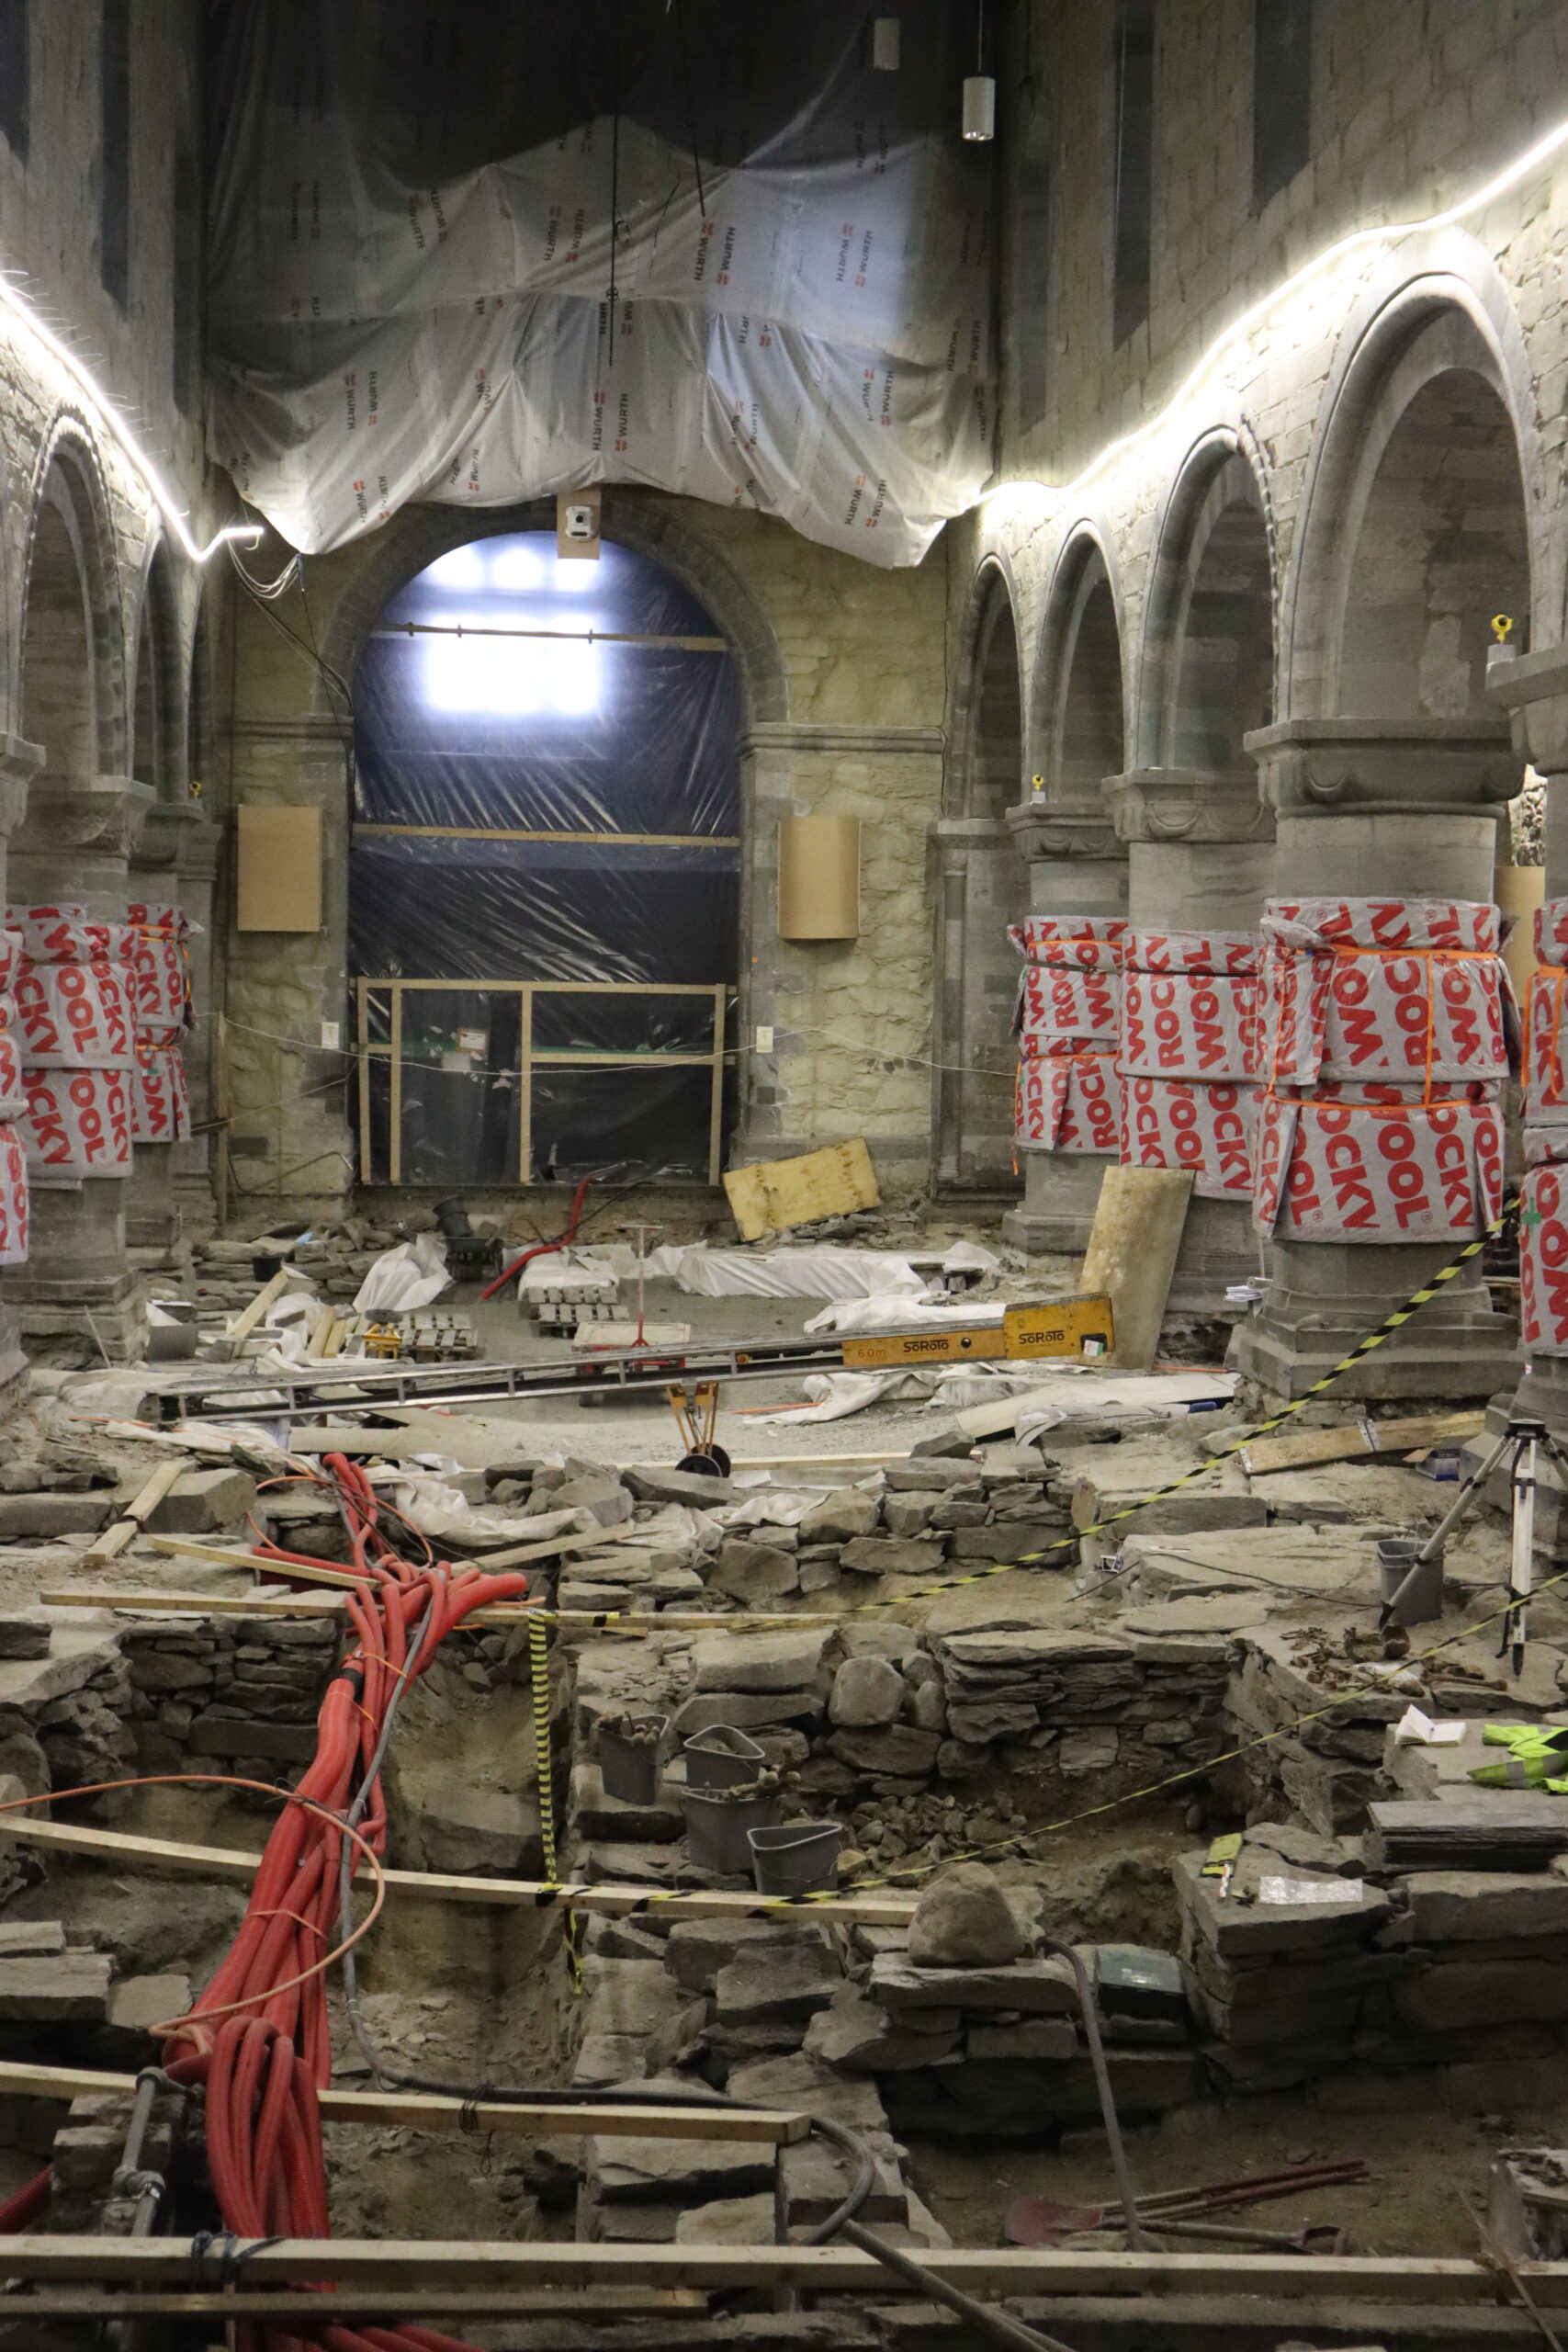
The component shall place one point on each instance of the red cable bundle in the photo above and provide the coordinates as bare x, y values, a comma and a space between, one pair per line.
258, 2039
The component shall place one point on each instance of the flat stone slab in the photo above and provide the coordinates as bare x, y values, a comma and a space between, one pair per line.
1282, 1563
62, 1988
1034, 1987
29, 1518
1239, 1929
74, 1657
650, 2171
1485, 1906
777, 1659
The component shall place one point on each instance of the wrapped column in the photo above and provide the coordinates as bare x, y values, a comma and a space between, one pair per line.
1188, 1057
1543, 1192
13, 1110
161, 1010
1384, 1060
1066, 1021
78, 1046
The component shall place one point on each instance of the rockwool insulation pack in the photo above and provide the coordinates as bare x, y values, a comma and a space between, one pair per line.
1189, 1055
77, 1032
1543, 1192
711, 251
13, 1109
1066, 1020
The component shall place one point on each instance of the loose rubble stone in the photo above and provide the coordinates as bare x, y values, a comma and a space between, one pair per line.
650, 1484
779, 1660
605, 1498
901, 1752
869, 1690
754, 1572
889, 1556
964, 1920
840, 1517
929, 1474
853, 2033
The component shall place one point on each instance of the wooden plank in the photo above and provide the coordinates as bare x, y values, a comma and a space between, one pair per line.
715, 1104
526, 1087
522, 834
136, 1514
267, 1604
245, 1322
395, 1097
127, 1849
351, 2305
361, 1037
772, 1195
813, 2269
1303, 1447
515, 1555
420, 2111
198, 1604
1133, 1244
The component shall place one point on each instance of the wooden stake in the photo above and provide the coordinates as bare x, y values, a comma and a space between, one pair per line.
245, 1322
134, 1519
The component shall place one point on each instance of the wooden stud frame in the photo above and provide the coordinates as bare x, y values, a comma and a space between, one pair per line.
530, 1056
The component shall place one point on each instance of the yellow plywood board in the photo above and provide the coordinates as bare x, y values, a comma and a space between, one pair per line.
1062, 1328
772, 1195
279, 869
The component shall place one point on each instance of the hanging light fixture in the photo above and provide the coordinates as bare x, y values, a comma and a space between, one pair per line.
980, 88
885, 32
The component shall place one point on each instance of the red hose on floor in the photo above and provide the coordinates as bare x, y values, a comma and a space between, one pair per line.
542, 1248
258, 2039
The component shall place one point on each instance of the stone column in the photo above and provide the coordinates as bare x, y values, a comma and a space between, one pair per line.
1077, 866
74, 849
1199, 857
174, 865
979, 886
20, 762
1364, 808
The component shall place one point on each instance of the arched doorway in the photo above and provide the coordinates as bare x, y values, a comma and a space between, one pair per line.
981, 891
1222, 670
544, 881
1087, 734
157, 747
58, 703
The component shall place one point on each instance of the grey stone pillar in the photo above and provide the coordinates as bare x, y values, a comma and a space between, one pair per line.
176, 860
1077, 866
979, 889
1199, 857
1363, 807
74, 848
20, 762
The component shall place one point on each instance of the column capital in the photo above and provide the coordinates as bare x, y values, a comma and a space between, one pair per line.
19, 763
178, 835
100, 815
1401, 767
1533, 689
1189, 804
1043, 828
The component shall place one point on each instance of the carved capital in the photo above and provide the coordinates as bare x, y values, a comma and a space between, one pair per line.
99, 815
1189, 805
19, 763
1047, 829
1363, 767
1533, 689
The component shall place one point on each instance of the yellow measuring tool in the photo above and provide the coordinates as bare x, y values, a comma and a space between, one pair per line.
1062, 1327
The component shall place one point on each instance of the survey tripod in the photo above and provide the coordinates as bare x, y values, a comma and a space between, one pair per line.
1522, 1442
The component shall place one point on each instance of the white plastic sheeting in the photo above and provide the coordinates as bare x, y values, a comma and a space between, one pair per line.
418, 212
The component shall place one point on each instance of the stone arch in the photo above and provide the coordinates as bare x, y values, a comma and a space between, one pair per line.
200, 714
986, 776
1421, 517
158, 744
71, 671
419, 534
1207, 671
1081, 695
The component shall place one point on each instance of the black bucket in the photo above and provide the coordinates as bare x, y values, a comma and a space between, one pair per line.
722, 1757
798, 1858
719, 1826
630, 1767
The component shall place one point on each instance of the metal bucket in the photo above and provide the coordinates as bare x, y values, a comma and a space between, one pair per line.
630, 1767
1396, 1557
722, 1757
718, 1828
800, 1858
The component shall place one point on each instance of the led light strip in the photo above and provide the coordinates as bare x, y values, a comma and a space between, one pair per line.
113, 423
1391, 233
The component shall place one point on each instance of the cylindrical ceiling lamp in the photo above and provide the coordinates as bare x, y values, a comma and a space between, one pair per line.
819, 877
979, 106
885, 32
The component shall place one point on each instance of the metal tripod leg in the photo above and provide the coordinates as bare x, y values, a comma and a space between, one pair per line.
1521, 1565
1449, 1521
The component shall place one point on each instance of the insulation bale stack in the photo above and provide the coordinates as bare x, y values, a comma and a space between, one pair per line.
161, 1006
1384, 1060
78, 1046
1544, 1193
1190, 1050
1067, 1023
13, 1110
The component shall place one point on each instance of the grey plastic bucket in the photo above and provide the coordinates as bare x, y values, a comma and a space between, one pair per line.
718, 1828
630, 1767
722, 1757
799, 1857
1396, 1557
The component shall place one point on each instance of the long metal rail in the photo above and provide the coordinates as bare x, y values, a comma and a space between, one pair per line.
218, 1396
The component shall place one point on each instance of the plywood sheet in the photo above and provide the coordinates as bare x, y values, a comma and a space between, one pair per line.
279, 868
1133, 1245
772, 1195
